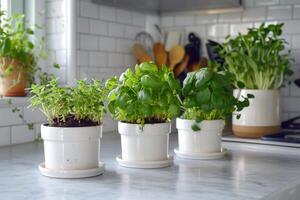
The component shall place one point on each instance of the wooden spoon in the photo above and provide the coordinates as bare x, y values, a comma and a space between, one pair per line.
140, 53
176, 55
181, 67
160, 54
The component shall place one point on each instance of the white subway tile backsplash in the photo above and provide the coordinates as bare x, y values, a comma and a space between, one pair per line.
138, 19
279, 12
229, 17
167, 21
266, 2
11, 118
107, 13
88, 9
200, 30
184, 20
21, 134
295, 91
31, 115
217, 30
254, 14
61, 57
83, 25
4, 136
107, 44
206, 19
291, 27
132, 31
291, 104
116, 30
124, 45
98, 27
115, 60
82, 58
248, 3
124, 16
56, 41
97, 59
88, 42
129, 60
55, 8
296, 12
296, 55
296, 41
239, 28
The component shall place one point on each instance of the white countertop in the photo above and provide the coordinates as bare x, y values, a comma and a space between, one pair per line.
248, 172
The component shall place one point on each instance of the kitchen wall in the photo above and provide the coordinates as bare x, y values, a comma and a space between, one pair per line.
15, 118
217, 26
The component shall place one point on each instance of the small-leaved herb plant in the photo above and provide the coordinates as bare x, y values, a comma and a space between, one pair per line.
258, 59
207, 95
82, 105
145, 95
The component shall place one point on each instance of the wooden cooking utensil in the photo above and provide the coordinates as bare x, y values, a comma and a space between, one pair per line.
140, 53
181, 67
176, 55
198, 65
160, 54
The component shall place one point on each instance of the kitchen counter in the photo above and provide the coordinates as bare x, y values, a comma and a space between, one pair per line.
248, 172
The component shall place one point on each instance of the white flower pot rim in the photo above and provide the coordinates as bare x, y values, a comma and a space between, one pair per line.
70, 127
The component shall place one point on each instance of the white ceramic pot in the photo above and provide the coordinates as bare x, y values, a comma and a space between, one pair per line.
206, 140
262, 117
71, 148
148, 143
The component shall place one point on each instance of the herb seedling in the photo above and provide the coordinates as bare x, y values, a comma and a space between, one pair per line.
82, 105
258, 59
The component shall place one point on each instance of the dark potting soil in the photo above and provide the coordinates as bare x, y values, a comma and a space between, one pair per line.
72, 122
150, 120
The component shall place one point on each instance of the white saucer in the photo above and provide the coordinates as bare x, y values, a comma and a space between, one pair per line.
145, 164
201, 156
71, 173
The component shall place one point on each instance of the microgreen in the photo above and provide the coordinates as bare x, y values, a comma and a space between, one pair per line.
70, 106
258, 59
145, 95
208, 96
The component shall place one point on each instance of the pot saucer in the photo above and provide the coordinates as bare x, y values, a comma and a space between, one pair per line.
71, 173
145, 164
201, 156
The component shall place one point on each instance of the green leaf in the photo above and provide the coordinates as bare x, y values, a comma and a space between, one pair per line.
195, 127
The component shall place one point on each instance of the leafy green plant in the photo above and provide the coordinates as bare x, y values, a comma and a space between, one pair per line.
208, 96
17, 45
258, 59
147, 95
82, 105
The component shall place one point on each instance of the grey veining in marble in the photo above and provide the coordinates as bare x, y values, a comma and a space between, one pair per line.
247, 172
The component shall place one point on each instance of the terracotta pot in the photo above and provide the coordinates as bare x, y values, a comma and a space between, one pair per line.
13, 84
261, 118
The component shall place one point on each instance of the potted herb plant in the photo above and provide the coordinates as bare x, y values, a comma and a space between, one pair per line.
17, 55
74, 129
144, 101
207, 101
261, 66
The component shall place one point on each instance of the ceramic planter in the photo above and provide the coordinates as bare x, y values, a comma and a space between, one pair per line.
144, 147
73, 151
261, 118
13, 84
205, 141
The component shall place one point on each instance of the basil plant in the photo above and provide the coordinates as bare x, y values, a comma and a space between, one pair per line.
207, 95
146, 94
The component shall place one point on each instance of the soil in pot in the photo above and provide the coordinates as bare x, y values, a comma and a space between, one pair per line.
14, 84
72, 122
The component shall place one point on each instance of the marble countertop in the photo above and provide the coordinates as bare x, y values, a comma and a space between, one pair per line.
248, 172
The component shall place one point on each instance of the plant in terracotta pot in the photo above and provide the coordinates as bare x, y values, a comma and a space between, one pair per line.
260, 65
74, 129
18, 55
207, 101
144, 101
